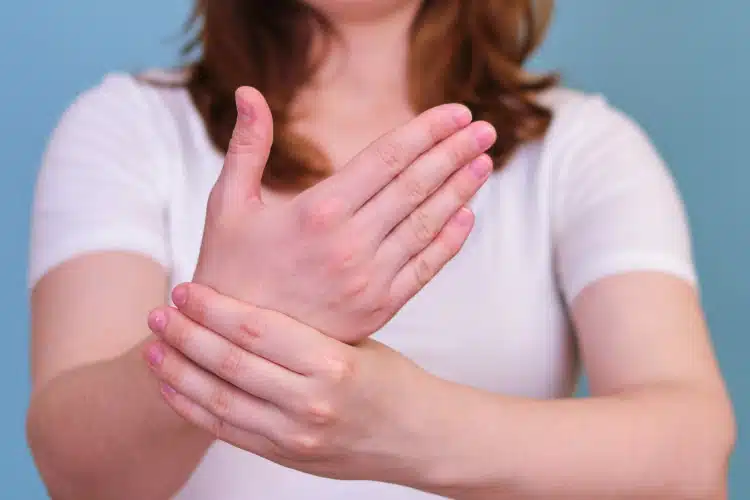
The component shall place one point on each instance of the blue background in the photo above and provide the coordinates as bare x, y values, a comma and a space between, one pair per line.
680, 67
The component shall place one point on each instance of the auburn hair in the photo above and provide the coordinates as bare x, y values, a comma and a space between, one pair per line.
466, 51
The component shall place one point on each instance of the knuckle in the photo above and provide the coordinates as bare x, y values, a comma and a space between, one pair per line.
422, 227
250, 333
391, 154
218, 428
423, 272
304, 444
342, 256
231, 364
415, 190
319, 412
220, 403
341, 369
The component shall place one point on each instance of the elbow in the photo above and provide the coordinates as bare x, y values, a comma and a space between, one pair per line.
699, 464
63, 476
42, 452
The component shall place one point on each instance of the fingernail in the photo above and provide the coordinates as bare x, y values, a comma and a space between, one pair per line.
157, 321
484, 135
464, 217
179, 295
155, 354
167, 390
481, 167
245, 111
246, 114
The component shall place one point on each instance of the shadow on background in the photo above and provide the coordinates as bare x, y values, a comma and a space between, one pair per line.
679, 67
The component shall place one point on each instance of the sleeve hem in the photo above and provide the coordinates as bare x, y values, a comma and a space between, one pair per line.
624, 263
113, 240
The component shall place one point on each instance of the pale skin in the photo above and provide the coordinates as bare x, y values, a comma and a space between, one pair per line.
658, 424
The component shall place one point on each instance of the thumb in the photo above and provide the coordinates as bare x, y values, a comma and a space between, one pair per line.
249, 146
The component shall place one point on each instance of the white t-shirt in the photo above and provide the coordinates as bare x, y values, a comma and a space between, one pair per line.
130, 167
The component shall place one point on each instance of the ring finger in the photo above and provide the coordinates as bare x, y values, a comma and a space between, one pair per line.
418, 230
226, 402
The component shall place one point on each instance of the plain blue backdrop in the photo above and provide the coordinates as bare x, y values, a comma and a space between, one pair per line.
679, 67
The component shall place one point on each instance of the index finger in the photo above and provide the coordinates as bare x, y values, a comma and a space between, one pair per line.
265, 333
385, 158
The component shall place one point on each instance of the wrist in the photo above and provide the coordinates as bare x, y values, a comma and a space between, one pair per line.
458, 442
424, 451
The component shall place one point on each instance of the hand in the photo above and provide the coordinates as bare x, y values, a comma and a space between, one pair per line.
345, 255
279, 389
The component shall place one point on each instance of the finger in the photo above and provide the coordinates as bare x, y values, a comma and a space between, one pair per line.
425, 265
268, 334
218, 428
377, 165
394, 203
254, 375
249, 146
227, 403
421, 228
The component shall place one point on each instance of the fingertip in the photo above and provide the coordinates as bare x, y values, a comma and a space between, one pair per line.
481, 167
461, 114
180, 295
464, 217
157, 321
154, 353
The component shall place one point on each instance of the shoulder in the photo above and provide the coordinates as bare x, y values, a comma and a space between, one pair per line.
125, 118
106, 176
591, 140
136, 106
582, 119
127, 94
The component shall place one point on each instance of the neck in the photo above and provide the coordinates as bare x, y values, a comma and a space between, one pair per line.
371, 59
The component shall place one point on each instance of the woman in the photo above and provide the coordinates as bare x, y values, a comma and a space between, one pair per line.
327, 327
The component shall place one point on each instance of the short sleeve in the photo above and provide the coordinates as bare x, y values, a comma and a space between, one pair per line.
101, 184
616, 205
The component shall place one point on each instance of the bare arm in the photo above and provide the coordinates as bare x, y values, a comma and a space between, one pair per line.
659, 424
97, 425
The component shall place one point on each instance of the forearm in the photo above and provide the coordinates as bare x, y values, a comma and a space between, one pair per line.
102, 431
662, 442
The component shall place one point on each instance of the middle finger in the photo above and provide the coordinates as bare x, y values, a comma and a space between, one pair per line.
253, 374
394, 203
